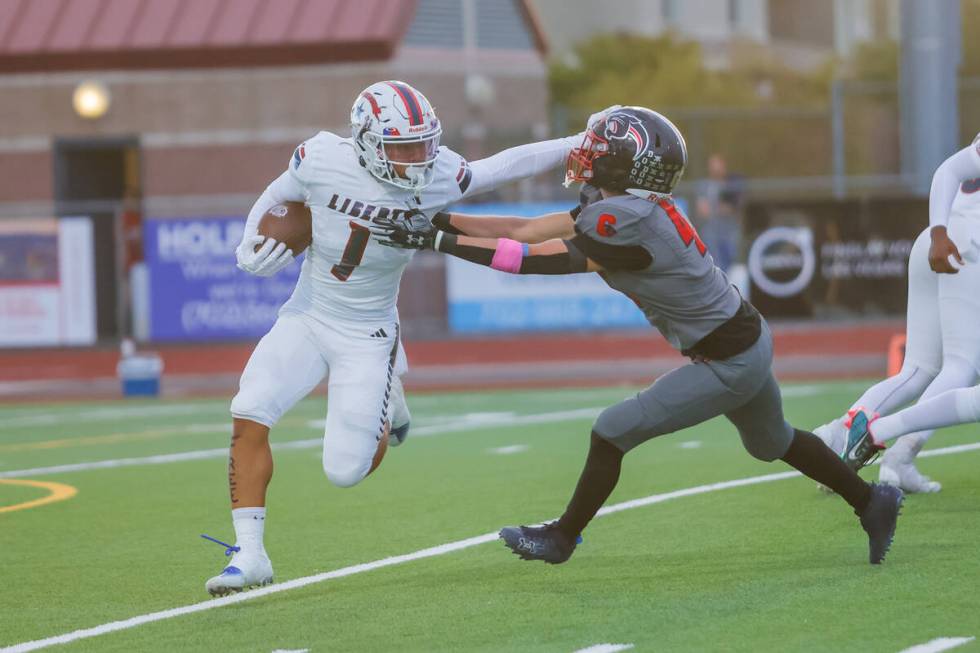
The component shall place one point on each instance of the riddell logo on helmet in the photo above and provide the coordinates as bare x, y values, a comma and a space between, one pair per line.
418, 128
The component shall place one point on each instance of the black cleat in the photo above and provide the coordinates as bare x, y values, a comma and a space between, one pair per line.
879, 519
539, 543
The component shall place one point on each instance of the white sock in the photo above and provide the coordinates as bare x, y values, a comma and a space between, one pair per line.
947, 409
249, 527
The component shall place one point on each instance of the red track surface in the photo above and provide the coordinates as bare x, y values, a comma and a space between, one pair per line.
820, 342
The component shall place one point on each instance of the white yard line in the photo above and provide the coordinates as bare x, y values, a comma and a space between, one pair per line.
938, 644
509, 449
464, 424
606, 648
430, 552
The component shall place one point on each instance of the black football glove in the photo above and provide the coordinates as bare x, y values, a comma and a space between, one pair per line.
410, 230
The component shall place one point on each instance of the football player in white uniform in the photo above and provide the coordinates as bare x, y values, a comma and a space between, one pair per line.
341, 321
942, 351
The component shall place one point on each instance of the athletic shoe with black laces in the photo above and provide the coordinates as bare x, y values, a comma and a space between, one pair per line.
879, 519
861, 447
545, 543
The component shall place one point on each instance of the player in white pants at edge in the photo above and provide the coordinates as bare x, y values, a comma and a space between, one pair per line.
341, 321
942, 351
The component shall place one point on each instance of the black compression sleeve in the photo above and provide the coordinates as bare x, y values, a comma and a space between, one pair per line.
613, 257
442, 222
450, 245
568, 262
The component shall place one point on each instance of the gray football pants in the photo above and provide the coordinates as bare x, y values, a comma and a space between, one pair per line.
741, 388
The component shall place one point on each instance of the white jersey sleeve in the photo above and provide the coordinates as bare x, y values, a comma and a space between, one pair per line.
518, 163
283, 188
287, 187
955, 185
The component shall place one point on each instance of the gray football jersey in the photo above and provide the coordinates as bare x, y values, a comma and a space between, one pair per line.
681, 292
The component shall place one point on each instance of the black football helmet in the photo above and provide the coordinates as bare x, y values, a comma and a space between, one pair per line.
630, 148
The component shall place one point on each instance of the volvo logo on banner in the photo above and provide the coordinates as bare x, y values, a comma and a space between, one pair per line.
782, 261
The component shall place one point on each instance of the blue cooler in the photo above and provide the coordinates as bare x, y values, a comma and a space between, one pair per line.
140, 375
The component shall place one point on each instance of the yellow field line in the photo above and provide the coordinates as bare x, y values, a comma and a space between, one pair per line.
58, 492
95, 439
110, 438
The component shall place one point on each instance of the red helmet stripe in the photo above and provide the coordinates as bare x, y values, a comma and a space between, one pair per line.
375, 109
411, 102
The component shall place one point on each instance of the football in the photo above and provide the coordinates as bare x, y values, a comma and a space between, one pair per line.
290, 223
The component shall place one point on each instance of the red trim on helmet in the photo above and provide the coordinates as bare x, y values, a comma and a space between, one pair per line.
375, 108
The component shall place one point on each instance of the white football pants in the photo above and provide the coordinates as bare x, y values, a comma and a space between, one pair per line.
360, 359
942, 350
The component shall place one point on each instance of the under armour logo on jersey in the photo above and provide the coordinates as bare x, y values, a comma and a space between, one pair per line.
605, 225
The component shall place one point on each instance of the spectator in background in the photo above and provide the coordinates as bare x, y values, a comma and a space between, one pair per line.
718, 213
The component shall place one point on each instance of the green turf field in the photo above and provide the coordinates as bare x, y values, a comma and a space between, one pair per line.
773, 566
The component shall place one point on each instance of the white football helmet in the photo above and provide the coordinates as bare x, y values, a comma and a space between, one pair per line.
393, 113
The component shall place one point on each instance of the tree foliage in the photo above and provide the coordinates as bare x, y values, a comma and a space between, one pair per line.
670, 73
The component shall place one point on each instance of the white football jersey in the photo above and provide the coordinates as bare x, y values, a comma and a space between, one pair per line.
347, 275
967, 200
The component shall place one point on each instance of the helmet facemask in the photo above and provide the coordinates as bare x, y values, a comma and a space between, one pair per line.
578, 168
417, 172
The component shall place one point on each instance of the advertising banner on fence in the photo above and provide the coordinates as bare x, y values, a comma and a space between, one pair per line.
482, 300
832, 258
195, 290
47, 282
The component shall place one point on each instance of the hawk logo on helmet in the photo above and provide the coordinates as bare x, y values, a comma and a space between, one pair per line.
623, 126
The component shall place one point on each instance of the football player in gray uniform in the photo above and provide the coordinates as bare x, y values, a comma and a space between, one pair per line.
629, 230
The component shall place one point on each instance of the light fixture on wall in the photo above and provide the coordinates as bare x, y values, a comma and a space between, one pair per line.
91, 100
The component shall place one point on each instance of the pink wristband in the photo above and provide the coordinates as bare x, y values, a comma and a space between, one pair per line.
508, 256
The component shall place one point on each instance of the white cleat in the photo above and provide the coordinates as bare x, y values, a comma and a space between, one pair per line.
400, 417
906, 477
245, 571
834, 435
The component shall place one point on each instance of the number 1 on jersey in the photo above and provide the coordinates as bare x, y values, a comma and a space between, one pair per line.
353, 251
684, 229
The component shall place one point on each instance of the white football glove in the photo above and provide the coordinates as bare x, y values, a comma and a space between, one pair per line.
269, 259
599, 115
